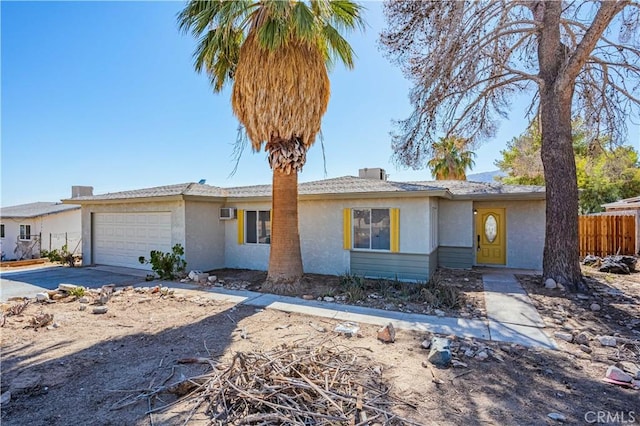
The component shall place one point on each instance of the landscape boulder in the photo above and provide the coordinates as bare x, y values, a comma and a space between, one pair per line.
387, 334
440, 353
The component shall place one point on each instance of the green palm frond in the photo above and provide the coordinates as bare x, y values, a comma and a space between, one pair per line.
222, 26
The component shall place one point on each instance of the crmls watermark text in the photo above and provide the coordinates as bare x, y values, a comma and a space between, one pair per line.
618, 417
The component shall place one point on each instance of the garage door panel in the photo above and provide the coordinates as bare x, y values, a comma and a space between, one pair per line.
120, 238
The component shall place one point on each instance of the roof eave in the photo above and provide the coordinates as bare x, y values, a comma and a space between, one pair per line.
508, 196
129, 200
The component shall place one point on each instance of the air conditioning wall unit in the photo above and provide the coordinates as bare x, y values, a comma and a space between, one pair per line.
227, 213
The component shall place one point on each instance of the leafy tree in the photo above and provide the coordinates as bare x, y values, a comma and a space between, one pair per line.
451, 159
467, 60
277, 54
605, 172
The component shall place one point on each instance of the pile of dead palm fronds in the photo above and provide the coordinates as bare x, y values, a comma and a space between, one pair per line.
291, 385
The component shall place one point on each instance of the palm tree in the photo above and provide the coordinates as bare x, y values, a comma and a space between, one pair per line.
277, 53
451, 159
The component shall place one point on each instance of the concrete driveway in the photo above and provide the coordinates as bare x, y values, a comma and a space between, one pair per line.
26, 283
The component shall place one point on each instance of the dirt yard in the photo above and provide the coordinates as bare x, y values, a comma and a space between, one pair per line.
82, 368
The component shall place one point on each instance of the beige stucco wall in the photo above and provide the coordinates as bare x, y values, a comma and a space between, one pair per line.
525, 231
176, 208
455, 224
204, 236
320, 226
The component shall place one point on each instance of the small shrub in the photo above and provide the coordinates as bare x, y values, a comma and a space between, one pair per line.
438, 294
166, 265
53, 255
354, 287
78, 292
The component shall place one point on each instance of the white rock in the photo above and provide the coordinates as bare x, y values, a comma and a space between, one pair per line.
469, 353
184, 280
567, 337
630, 368
42, 297
426, 344
5, 398
439, 313
610, 341
212, 278
164, 290
482, 355
84, 299
557, 416
100, 310
192, 275
550, 283
67, 287
329, 299
595, 307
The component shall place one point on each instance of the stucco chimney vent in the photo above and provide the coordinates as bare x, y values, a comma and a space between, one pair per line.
374, 173
81, 191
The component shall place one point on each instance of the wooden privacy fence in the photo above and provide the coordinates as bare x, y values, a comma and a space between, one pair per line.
605, 235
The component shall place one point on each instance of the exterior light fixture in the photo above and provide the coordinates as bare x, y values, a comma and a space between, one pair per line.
475, 211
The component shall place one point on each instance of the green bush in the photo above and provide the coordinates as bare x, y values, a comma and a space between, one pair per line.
166, 265
53, 255
354, 287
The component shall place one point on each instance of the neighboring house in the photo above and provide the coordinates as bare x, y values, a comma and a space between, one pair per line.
27, 229
363, 225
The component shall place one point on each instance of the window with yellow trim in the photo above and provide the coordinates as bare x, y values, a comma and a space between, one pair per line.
371, 229
257, 227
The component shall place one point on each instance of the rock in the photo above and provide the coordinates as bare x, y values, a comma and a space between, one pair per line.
164, 291
42, 297
308, 296
67, 287
583, 338
482, 355
387, 334
595, 307
212, 278
631, 368
192, 275
567, 337
610, 341
329, 299
583, 296
585, 349
58, 296
426, 344
184, 280
590, 260
84, 299
440, 353
439, 313
550, 283
5, 398
614, 373
82, 308
100, 310
614, 267
458, 364
348, 328
469, 353
557, 416
25, 381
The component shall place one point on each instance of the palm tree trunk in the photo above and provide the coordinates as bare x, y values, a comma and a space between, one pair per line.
285, 259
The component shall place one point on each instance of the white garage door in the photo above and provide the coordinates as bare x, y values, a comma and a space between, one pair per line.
119, 239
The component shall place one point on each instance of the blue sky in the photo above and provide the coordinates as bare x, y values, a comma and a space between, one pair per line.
104, 94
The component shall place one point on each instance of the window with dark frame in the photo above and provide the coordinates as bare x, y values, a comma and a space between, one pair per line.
371, 229
25, 232
258, 227
1, 230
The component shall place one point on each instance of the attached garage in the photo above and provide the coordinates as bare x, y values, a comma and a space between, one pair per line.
119, 239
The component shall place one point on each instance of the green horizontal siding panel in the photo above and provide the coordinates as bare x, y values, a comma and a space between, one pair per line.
455, 257
405, 267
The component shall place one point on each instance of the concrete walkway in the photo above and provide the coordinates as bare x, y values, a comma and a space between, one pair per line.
510, 313
512, 317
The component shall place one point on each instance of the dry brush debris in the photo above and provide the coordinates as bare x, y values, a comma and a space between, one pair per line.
298, 385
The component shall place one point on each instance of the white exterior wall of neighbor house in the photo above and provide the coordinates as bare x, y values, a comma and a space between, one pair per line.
525, 231
56, 229
321, 238
11, 234
204, 236
176, 208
